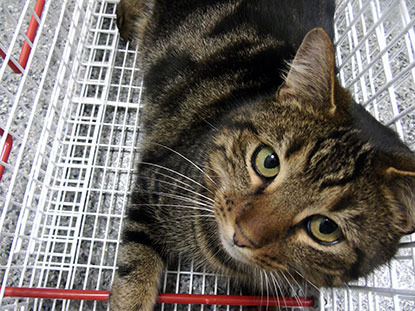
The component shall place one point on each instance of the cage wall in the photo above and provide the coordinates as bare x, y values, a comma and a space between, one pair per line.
70, 122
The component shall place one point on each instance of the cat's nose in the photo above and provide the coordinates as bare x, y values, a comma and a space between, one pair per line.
240, 240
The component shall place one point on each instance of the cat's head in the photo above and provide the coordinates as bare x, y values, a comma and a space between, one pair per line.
310, 183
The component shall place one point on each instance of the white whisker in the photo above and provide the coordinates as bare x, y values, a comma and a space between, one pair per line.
177, 173
308, 281
281, 292
262, 286
188, 160
177, 186
297, 284
174, 179
174, 196
210, 210
276, 295
210, 217
266, 285
207, 122
292, 288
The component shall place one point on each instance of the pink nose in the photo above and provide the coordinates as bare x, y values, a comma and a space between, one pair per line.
240, 240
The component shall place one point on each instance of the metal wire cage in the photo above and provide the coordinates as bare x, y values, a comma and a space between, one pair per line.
70, 103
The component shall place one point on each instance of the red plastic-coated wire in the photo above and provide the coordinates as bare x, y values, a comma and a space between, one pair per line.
236, 300
53, 293
5, 152
31, 33
11, 63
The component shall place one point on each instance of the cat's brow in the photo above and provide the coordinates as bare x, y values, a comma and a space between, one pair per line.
241, 126
342, 204
335, 135
357, 168
294, 146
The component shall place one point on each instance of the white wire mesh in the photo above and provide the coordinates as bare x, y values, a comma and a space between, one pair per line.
74, 117
375, 52
74, 124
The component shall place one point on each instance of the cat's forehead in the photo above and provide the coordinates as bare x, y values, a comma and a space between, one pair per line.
284, 127
276, 120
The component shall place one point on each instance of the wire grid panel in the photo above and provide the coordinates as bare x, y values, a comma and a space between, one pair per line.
375, 43
74, 117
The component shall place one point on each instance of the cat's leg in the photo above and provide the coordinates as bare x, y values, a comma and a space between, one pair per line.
136, 283
132, 17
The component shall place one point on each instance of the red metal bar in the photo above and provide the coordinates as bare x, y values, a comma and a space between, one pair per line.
31, 33
5, 152
236, 300
53, 293
11, 63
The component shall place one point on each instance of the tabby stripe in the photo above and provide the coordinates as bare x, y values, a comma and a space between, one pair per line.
271, 258
165, 69
260, 75
241, 126
213, 244
354, 271
179, 11
295, 146
219, 148
236, 150
337, 182
360, 161
156, 157
313, 151
124, 270
137, 237
140, 216
342, 204
224, 153
335, 135
262, 187
264, 262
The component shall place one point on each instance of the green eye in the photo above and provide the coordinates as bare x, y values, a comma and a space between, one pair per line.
324, 230
265, 162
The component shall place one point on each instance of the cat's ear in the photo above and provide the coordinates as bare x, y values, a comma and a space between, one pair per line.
312, 73
401, 179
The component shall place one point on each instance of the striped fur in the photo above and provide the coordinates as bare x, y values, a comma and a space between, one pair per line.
218, 87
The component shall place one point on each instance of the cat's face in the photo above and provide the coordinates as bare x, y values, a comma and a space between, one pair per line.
301, 192
292, 198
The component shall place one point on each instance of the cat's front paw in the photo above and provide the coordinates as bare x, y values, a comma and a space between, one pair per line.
136, 282
131, 17
132, 295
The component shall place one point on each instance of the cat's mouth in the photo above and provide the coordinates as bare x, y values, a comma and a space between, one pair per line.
236, 252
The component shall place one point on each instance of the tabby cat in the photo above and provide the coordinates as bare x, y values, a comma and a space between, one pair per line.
255, 159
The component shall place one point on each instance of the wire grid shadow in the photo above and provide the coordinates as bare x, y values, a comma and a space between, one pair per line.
74, 116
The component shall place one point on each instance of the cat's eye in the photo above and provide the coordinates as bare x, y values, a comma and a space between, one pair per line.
265, 162
324, 230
